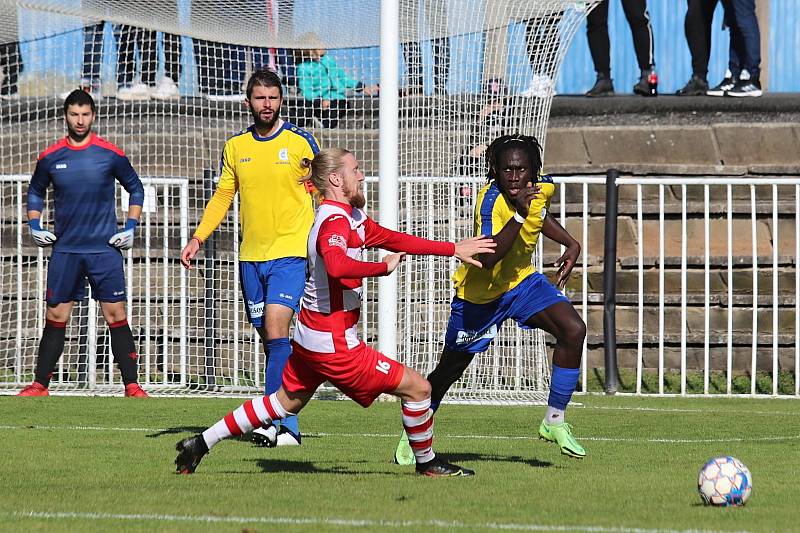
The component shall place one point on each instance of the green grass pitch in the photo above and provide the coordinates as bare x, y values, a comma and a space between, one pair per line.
103, 464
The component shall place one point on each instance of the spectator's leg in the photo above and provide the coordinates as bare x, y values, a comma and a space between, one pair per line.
287, 67
436, 18
125, 35
642, 31
543, 41
746, 24
5, 67
285, 57
202, 54
495, 54
172, 56
149, 54
597, 35
219, 58
697, 25
736, 48
92, 55
412, 55
441, 53
238, 69
260, 57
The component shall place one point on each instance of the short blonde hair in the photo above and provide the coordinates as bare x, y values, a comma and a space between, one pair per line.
325, 163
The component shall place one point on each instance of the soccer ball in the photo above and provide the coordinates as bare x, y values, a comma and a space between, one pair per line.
724, 481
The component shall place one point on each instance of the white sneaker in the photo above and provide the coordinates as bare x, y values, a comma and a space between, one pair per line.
541, 86
166, 90
137, 91
225, 97
287, 438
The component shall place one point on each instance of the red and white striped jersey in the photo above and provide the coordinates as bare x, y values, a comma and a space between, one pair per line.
331, 303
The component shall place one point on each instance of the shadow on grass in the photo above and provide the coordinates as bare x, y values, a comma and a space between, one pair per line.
481, 457
187, 430
349, 468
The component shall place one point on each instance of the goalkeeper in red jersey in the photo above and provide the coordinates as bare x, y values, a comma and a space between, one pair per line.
513, 208
326, 346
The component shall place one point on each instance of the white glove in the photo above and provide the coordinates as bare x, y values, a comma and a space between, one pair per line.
41, 237
122, 240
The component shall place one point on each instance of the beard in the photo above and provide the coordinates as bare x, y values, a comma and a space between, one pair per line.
355, 197
358, 201
265, 124
78, 137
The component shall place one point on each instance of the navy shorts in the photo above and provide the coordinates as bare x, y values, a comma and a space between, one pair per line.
67, 274
280, 281
473, 327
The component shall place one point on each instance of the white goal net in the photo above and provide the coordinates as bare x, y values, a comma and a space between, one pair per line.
168, 77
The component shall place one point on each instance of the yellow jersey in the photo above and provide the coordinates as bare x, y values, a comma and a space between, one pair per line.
275, 209
492, 212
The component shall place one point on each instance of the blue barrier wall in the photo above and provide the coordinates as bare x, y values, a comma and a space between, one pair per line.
673, 62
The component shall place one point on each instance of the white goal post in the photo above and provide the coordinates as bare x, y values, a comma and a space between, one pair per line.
169, 80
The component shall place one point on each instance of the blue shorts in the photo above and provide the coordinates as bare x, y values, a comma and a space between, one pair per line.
67, 274
280, 281
473, 327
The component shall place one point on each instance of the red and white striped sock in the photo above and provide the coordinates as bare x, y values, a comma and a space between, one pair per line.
418, 422
249, 415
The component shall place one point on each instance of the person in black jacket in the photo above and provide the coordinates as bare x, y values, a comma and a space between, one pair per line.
599, 45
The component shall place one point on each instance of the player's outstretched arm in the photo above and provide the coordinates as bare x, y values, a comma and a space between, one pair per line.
555, 231
393, 261
189, 251
467, 249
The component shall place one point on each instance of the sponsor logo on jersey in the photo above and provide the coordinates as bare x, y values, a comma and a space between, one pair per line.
468, 336
244, 160
118, 293
256, 308
61, 165
338, 240
283, 155
286, 296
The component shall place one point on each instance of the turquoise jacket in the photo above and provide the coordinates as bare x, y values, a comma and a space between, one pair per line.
322, 79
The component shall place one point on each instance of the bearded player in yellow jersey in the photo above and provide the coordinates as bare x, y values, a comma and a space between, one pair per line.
264, 164
513, 208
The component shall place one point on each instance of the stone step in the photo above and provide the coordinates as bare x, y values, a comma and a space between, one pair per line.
627, 357
627, 283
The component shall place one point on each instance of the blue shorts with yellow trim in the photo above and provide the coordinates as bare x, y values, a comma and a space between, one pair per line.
473, 327
280, 281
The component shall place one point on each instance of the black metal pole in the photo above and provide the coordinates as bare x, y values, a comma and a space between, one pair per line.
209, 300
610, 284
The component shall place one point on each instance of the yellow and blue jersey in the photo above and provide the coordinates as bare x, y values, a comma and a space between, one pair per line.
492, 213
275, 209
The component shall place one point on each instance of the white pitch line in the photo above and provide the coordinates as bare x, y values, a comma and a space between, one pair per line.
344, 522
655, 440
